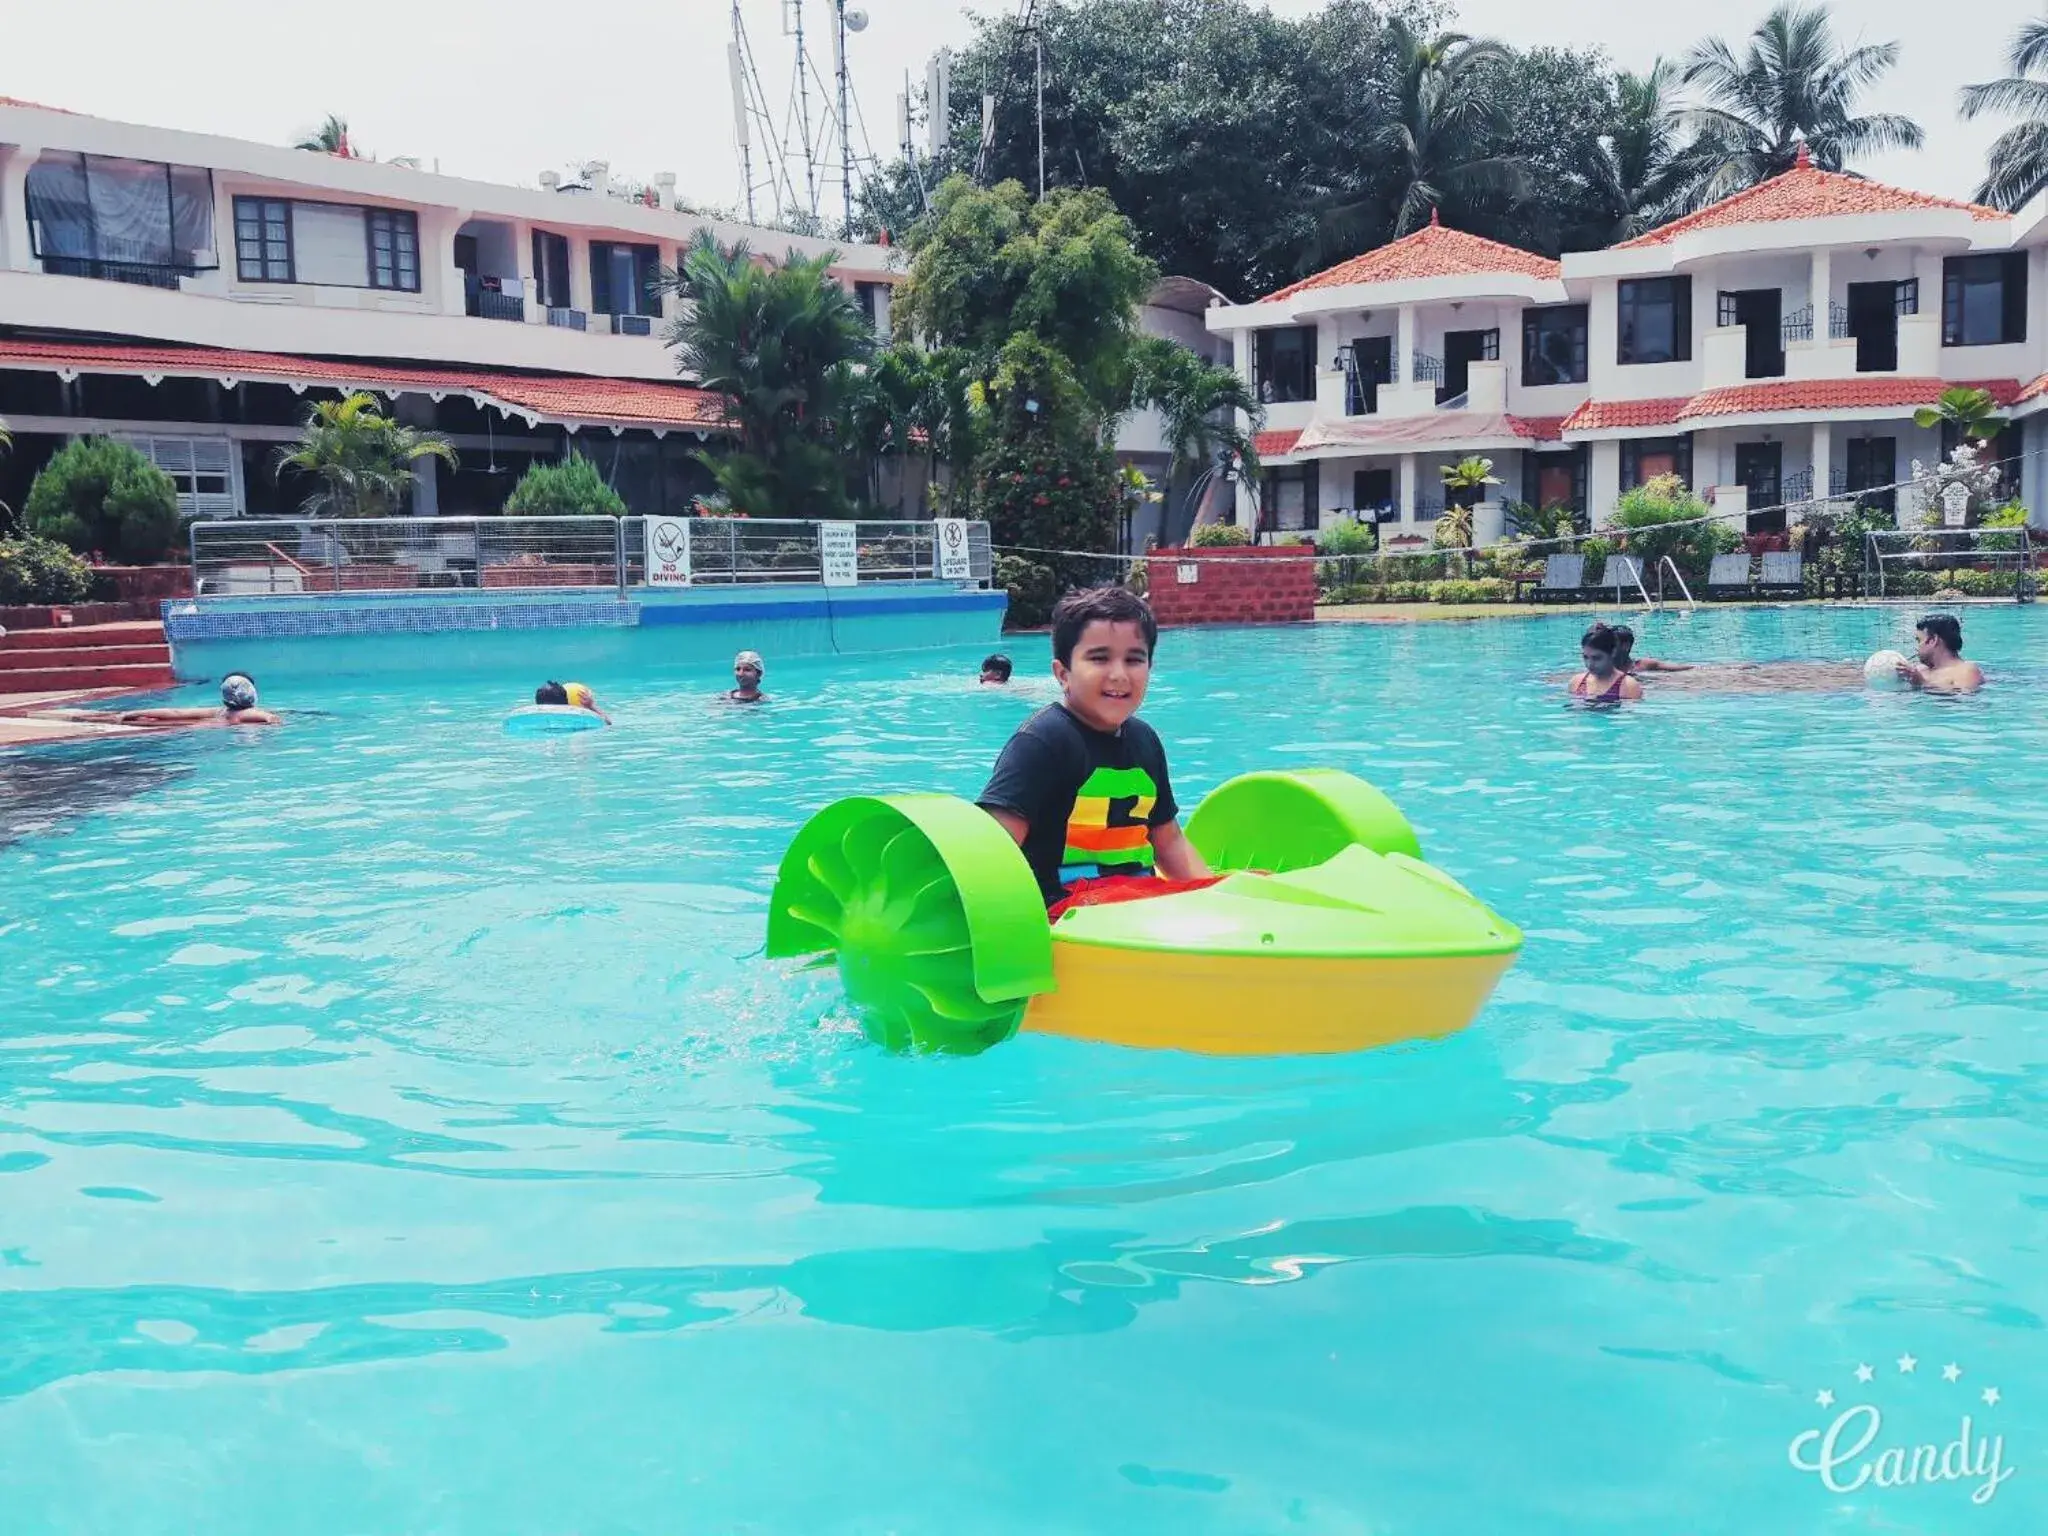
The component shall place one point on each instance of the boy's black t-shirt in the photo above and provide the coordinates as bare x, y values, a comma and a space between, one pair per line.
1089, 797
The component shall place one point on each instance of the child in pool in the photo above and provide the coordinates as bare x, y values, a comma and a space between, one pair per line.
1626, 660
1083, 785
1603, 681
995, 670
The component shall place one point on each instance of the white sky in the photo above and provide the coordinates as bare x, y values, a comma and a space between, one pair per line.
502, 91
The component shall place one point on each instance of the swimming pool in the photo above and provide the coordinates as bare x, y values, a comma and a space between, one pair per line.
397, 1136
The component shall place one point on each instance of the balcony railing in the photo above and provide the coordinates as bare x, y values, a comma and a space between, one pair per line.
1838, 321
1422, 368
1796, 486
1838, 481
146, 274
489, 303
1797, 326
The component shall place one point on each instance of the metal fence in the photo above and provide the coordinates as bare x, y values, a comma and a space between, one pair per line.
1975, 562
299, 556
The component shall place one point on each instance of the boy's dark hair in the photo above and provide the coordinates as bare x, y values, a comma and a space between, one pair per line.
1090, 605
1624, 637
999, 664
1946, 628
551, 692
1602, 639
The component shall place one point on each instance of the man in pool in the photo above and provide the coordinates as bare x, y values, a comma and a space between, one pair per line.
995, 671
746, 672
1603, 681
1626, 660
1082, 785
237, 707
1941, 668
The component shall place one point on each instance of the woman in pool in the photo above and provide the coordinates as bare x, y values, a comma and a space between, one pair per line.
237, 707
746, 672
1603, 681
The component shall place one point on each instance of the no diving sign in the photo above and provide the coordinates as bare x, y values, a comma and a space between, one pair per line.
668, 551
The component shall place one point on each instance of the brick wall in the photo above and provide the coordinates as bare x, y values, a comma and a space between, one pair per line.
1271, 585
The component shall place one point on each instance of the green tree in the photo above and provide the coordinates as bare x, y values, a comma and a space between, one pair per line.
1045, 481
1971, 413
1204, 412
990, 263
1442, 136
1643, 171
330, 138
362, 458
1793, 85
783, 345
2016, 166
102, 497
571, 487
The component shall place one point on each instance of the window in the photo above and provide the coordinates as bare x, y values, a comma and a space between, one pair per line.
1872, 469
1372, 496
1554, 346
1287, 498
1556, 479
1984, 300
1656, 320
872, 303
622, 279
1645, 458
202, 468
263, 240
551, 269
1286, 365
131, 220
394, 249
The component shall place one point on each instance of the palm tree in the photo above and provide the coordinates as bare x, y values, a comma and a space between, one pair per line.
1970, 414
1644, 170
363, 459
1794, 85
1204, 411
1439, 142
330, 138
2016, 167
783, 344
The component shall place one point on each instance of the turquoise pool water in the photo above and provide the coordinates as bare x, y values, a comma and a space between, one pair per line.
397, 1136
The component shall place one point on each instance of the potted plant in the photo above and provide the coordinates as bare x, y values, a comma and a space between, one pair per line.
1465, 485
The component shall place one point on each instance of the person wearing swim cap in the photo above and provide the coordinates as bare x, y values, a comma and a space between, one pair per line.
237, 707
746, 671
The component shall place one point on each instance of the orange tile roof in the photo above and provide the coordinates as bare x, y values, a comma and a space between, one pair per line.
2034, 390
1542, 428
34, 106
1432, 251
1870, 392
1804, 192
1272, 445
555, 397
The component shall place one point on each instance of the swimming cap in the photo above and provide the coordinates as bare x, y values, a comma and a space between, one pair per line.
238, 691
748, 659
580, 695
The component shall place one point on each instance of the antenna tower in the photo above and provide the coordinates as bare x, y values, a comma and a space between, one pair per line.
790, 153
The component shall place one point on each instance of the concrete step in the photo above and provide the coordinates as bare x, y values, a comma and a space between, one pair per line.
50, 679
44, 658
83, 636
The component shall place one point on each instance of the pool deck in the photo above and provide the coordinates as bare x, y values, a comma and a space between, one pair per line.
19, 726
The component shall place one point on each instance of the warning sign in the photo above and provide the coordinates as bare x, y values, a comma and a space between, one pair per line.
668, 551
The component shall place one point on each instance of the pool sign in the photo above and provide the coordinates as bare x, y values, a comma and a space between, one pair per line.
839, 553
1955, 506
951, 535
668, 551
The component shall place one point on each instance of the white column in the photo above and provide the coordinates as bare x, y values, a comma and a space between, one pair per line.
1820, 292
522, 254
437, 227
1404, 348
1823, 458
579, 272
1408, 472
14, 242
1603, 482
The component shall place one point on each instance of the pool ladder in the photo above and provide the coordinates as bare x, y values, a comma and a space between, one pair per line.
1655, 604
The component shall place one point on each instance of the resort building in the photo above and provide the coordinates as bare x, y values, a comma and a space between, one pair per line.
192, 294
1770, 348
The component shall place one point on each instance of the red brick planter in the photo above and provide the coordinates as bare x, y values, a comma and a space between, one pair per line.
144, 583
1273, 584
80, 614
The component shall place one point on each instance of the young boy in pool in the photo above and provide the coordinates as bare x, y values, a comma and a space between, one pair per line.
995, 670
1083, 785
1626, 660
1941, 668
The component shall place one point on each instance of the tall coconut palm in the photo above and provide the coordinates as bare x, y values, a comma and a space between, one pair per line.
782, 345
1440, 141
1204, 411
1970, 415
1793, 85
1645, 168
363, 459
2016, 167
330, 138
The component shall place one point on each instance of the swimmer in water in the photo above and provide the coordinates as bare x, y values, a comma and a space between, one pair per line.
237, 707
995, 671
1603, 681
1625, 659
1941, 668
746, 672
580, 697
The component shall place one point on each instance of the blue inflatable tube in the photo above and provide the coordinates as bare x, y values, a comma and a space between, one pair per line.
551, 720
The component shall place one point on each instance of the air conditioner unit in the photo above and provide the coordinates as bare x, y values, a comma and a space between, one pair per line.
632, 325
568, 319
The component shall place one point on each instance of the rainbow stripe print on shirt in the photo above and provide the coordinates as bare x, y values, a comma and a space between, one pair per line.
1107, 830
